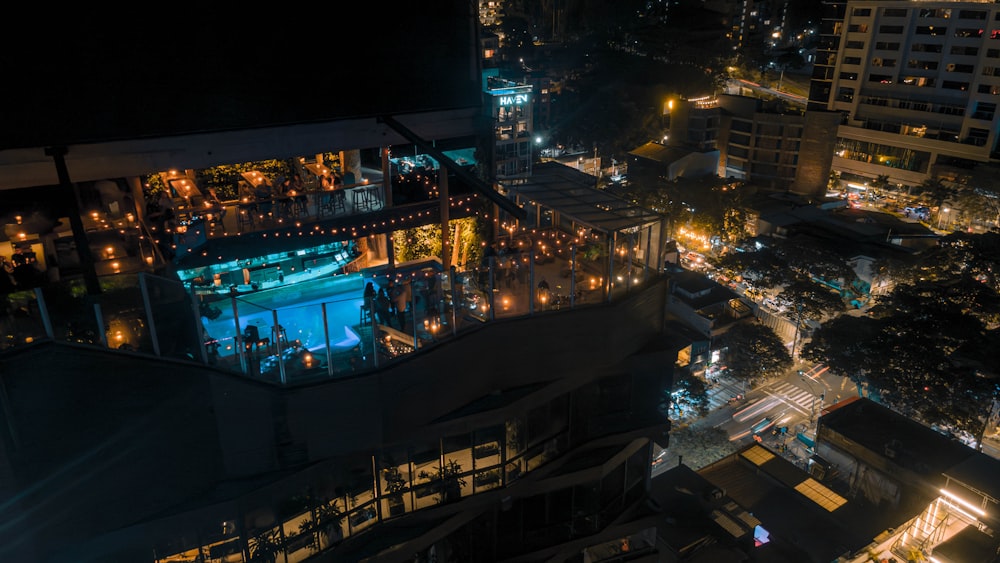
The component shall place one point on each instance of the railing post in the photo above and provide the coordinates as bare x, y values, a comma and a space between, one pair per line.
43, 310
277, 346
628, 271
572, 276
199, 328
241, 349
413, 316
149, 313
532, 290
454, 301
492, 273
611, 266
326, 335
101, 332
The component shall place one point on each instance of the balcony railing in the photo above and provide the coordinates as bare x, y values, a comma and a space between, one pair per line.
330, 330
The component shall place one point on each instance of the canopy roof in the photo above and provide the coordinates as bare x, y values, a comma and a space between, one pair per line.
573, 194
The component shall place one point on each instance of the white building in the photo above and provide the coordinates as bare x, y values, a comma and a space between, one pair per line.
917, 84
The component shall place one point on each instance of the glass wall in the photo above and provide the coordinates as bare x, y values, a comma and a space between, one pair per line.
300, 332
345, 497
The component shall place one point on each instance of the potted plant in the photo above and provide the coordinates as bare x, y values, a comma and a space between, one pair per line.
395, 484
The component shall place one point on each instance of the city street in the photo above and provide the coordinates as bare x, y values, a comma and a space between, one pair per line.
792, 401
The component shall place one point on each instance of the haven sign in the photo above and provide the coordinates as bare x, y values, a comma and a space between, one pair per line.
514, 100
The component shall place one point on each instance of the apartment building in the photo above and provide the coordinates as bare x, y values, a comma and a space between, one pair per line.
916, 84
766, 143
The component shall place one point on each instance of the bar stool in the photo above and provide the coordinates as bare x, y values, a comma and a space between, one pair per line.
331, 202
359, 199
374, 194
339, 201
300, 205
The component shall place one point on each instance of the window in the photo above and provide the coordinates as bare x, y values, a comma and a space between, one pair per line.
985, 111
971, 51
972, 14
989, 89
738, 152
995, 34
943, 13
857, 28
890, 29
922, 65
953, 85
848, 76
855, 45
993, 53
926, 48
845, 94
880, 78
969, 32
953, 67
931, 30
887, 45
977, 137
894, 12
741, 125
862, 12
991, 71
852, 60
923, 81
951, 110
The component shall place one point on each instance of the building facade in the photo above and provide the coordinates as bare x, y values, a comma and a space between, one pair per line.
915, 84
518, 441
511, 108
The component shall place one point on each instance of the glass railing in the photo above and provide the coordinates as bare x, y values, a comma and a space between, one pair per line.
317, 329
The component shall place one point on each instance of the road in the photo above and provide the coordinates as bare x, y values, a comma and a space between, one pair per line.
793, 401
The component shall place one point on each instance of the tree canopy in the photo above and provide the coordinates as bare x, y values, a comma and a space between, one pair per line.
926, 348
754, 353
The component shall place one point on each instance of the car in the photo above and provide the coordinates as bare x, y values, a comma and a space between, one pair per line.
761, 425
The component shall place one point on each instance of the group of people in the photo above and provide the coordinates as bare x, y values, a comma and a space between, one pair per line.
290, 192
331, 181
389, 304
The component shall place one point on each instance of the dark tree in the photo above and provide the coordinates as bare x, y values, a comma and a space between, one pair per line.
763, 268
817, 301
754, 353
690, 392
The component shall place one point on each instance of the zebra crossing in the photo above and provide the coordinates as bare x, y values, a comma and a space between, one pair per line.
723, 393
798, 398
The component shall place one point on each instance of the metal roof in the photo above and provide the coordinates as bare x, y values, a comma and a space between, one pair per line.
573, 194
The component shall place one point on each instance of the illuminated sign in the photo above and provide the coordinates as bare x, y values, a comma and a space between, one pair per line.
515, 100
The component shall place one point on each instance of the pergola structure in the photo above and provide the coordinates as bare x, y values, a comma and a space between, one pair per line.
560, 196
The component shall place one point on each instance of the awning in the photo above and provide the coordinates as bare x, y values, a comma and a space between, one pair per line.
574, 195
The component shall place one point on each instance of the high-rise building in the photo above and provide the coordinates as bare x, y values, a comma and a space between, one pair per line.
526, 438
511, 109
916, 84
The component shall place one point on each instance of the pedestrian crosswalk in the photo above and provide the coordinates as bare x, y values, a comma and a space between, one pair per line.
801, 399
726, 391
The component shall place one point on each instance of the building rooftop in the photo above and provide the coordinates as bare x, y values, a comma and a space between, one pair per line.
576, 197
886, 432
799, 513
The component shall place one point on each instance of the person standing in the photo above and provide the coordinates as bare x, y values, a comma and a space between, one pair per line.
382, 307
369, 301
400, 298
